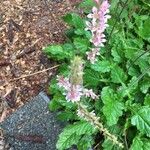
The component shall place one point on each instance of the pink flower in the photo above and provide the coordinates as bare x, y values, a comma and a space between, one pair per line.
94, 15
97, 1
90, 93
91, 55
74, 94
63, 82
97, 26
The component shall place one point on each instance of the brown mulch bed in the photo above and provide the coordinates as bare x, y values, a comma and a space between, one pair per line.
26, 26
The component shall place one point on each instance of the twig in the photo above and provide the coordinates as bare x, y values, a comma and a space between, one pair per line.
125, 141
96, 145
32, 74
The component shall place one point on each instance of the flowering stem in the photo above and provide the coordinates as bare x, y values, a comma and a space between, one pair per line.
95, 121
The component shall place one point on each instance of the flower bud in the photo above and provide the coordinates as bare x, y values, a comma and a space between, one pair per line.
76, 74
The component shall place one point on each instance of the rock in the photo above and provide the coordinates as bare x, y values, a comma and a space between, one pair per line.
32, 127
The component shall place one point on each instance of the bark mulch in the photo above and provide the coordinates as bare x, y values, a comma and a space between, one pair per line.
26, 26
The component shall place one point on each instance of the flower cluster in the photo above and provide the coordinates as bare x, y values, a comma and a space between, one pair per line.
72, 92
73, 85
97, 26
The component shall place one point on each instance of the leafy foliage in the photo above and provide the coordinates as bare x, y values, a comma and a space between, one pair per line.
120, 76
73, 133
140, 143
142, 120
112, 106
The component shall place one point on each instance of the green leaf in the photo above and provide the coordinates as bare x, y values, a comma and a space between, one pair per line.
91, 78
117, 50
144, 30
137, 144
85, 143
118, 75
113, 107
116, 55
132, 86
140, 144
86, 5
81, 45
54, 50
80, 31
114, 5
133, 70
145, 85
66, 140
101, 66
53, 105
108, 145
132, 46
57, 51
142, 61
72, 134
66, 116
147, 100
59, 99
141, 120
53, 88
74, 20
68, 47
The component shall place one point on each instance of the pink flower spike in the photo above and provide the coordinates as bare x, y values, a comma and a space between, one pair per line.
90, 93
105, 7
74, 93
63, 82
97, 26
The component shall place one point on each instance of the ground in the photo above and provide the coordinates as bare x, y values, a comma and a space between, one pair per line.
26, 26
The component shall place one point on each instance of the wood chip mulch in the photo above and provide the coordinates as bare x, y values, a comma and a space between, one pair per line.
26, 26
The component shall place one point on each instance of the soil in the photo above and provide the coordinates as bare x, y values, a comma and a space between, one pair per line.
26, 26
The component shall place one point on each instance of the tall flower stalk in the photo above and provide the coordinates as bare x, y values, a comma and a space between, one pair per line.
94, 120
73, 85
74, 91
97, 25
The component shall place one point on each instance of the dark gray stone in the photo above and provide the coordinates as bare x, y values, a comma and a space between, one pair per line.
33, 119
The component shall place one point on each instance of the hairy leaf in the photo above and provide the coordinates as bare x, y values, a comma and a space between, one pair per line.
147, 100
141, 120
57, 51
66, 116
113, 107
85, 142
142, 60
87, 5
81, 45
108, 145
101, 66
74, 20
145, 85
91, 78
72, 133
144, 30
140, 144
118, 75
